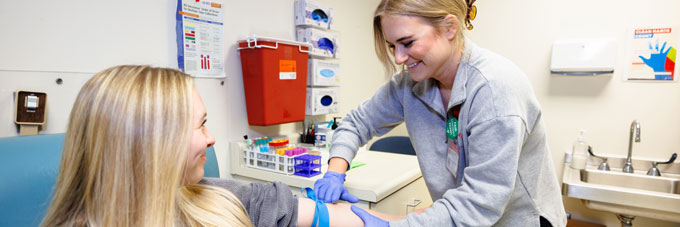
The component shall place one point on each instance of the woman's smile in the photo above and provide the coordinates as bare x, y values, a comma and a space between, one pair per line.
412, 66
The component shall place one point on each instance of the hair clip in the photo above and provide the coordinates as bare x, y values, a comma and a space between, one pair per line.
472, 13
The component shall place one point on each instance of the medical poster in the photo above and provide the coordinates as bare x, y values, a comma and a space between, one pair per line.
653, 54
200, 38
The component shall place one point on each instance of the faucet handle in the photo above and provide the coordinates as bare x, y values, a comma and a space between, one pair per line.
590, 151
604, 165
655, 171
673, 156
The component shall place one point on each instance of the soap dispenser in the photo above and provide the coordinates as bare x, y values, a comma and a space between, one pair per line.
579, 153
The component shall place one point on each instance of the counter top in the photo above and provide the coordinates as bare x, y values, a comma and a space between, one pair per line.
383, 174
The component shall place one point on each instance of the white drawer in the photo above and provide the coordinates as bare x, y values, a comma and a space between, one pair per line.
407, 199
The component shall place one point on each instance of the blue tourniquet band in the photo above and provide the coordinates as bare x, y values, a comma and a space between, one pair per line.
320, 212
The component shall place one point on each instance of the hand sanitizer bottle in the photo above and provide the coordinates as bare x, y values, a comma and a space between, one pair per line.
579, 153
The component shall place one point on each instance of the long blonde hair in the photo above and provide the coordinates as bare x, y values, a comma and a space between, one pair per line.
433, 11
124, 155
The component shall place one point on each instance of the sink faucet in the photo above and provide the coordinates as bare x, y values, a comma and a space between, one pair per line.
655, 171
634, 127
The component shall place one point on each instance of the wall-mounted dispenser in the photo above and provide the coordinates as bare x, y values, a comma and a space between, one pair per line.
324, 42
583, 57
323, 73
311, 13
30, 111
321, 100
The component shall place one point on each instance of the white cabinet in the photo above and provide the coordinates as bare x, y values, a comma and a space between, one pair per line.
409, 198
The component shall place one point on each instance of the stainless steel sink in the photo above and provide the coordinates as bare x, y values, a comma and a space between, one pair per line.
633, 181
633, 194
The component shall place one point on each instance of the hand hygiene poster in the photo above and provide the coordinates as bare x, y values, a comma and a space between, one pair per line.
653, 54
200, 38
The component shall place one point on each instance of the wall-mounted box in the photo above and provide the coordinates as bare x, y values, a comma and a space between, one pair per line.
324, 43
31, 107
274, 79
30, 111
583, 57
312, 13
321, 100
323, 73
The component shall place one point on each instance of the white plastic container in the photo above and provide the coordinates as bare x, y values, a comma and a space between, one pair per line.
579, 153
583, 57
270, 162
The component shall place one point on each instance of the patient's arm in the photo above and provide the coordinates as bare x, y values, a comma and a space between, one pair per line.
339, 213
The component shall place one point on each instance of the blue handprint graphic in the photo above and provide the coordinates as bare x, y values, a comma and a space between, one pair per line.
658, 61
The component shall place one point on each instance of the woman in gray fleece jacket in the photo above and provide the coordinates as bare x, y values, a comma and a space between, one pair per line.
472, 117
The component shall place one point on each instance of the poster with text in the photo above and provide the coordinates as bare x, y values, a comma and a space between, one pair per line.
653, 54
200, 38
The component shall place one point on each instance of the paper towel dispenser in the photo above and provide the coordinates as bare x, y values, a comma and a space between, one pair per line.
583, 57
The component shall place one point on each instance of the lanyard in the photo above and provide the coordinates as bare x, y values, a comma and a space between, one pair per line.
452, 123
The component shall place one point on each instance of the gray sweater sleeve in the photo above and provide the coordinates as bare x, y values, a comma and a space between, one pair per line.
268, 204
373, 117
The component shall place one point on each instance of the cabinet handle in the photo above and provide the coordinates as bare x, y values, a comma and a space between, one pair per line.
415, 203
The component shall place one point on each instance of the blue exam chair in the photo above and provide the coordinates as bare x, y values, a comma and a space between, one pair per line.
28, 173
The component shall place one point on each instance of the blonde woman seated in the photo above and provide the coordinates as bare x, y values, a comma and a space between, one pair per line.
134, 153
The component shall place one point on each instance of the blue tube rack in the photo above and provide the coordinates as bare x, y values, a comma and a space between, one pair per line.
307, 165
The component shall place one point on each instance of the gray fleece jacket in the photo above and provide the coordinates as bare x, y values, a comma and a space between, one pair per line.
496, 172
267, 204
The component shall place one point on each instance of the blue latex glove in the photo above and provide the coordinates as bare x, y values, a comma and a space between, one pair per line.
369, 219
330, 188
657, 60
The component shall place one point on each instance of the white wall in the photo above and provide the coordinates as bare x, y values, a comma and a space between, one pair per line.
524, 31
75, 38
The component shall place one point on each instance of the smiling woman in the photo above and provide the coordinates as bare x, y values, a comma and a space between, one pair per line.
200, 139
471, 115
134, 155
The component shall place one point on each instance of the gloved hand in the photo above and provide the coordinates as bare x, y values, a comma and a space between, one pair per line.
369, 219
330, 188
